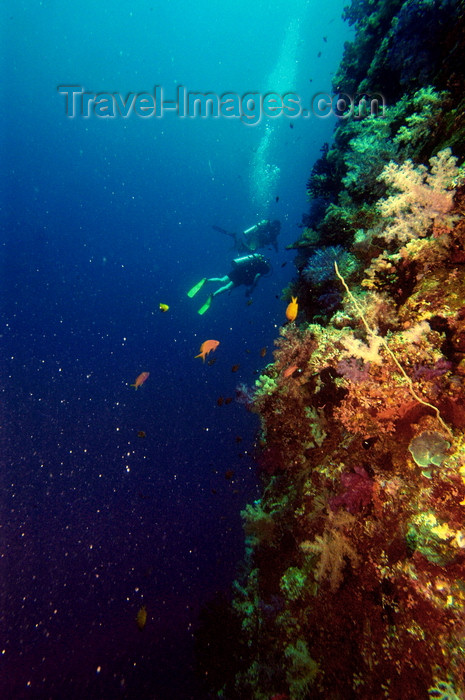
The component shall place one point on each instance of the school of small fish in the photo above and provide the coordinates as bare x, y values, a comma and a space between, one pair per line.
209, 346
206, 348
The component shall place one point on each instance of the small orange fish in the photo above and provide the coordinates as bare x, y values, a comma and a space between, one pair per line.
290, 370
207, 347
141, 617
143, 376
292, 310
263, 352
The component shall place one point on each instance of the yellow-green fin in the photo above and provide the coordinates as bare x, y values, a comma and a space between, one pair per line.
206, 306
196, 288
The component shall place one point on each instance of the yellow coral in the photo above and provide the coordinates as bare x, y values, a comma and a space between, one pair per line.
265, 385
443, 532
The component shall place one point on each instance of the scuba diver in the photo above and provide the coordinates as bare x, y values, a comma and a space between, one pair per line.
259, 236
246, 270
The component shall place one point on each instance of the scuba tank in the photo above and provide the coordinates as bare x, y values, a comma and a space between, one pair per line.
248, 268
245, 260
256, 261
254, 228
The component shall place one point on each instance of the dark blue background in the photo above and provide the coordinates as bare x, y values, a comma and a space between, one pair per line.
103, 220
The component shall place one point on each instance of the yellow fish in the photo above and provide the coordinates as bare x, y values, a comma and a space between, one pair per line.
164, 307
141, 617
292, 310
206, 347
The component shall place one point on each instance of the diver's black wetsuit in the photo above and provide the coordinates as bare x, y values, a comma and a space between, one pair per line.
245, 269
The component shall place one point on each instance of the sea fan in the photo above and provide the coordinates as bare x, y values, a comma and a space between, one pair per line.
320, 267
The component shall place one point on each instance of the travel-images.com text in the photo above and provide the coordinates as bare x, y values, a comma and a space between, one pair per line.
250, 108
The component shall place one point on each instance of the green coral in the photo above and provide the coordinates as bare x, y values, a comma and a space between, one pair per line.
432, 538
372, 22
316, 426
302, 670
443, 690
265, 386
416, 132
337, 226
366, 156
309, 239
293, 583
429, 448
259, 526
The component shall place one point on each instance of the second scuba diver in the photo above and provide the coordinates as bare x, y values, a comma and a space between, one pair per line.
261, 235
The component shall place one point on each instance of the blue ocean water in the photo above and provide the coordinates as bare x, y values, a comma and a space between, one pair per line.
104, 219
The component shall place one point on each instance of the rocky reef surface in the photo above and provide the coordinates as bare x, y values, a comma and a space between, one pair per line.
354, 579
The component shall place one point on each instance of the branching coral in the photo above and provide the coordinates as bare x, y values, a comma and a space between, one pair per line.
293, 582
334, 550
259, 526
369, 408
302, 669
427, 105
366, 156
372, 334
368, 353
423, 197
264, 386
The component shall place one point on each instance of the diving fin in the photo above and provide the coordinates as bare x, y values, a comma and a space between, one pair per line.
206, 306
196, 288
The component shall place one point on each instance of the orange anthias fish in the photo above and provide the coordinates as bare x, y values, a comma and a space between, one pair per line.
290, 370
206, 347
292, 310
141, 617
141, 379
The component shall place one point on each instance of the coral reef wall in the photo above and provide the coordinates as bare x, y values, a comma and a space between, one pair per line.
354, 580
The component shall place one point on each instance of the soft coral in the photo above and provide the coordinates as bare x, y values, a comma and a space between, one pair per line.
358, 491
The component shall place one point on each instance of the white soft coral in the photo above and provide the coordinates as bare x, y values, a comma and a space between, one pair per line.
422, 197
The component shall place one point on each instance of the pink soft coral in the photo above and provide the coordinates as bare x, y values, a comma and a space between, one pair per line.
358, 491
422, 197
